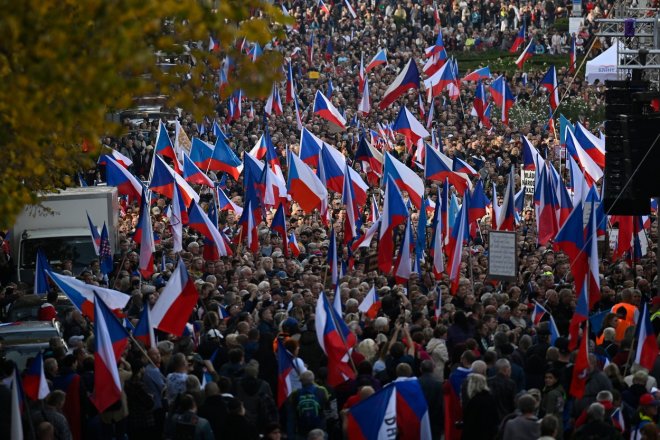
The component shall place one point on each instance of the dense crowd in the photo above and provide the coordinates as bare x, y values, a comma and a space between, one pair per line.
220, 379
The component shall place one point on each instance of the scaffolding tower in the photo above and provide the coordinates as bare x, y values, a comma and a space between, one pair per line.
637, 27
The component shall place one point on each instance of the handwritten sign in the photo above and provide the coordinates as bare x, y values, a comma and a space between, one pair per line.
502, 255
527, 179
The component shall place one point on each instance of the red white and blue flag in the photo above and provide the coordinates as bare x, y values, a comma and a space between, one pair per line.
397, 411
336, 340
503, 97
110, 341
519, 40
409, 126
285, 367
370, 304
304, 186
326, 110
379, 59
175, 303
526, 54
647, 348
144, 236
549, 82
405, 179
81, 295
407, 79
478, 75
35, 385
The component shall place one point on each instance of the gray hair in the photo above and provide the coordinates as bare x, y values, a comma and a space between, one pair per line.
479, 367
502, 364
596, 411
307, 377
476, 384
604, 396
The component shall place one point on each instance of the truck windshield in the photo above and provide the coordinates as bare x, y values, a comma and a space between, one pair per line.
57, 249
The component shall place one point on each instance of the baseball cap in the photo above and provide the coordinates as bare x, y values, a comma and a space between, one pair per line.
648, 400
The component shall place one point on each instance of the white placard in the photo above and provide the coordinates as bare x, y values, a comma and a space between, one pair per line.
502, 255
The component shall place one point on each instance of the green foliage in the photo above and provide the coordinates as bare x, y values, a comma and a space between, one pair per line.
561, 25
500, 61
573, 108
65, 63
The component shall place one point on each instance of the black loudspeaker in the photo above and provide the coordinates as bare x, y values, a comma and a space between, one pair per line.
630, 132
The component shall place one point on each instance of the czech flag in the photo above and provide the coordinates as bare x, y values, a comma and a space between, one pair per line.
371, 304
378, 59
405, 178
407, 79
144, 236
526, 54
478, 75
200, 153
336, 340
279, 225
96, 237
192, 173
273, 103
116, 155
81, 295
305, 187
549, 82
35, 385
164, 145
592, 145
538, 313
110, 341
364, 106
285, 367
224, 159
503, 97
531, 156
455, 248
591, 169
310, 148
326, 110
570, 240
409, 126
394, 214
439, 167
293, 245
441, 79
397, 411
127, 184
175, 303
201, 223
143, 331
520, 39
452, 398
647, 348
225, 203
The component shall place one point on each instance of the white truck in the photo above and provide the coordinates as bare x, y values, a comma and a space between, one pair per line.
59, 226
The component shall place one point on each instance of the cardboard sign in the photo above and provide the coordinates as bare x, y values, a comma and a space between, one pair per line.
502, 255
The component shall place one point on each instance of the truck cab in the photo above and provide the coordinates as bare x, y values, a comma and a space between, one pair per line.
59, 226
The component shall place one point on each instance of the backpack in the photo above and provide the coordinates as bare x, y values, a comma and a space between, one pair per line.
308, 410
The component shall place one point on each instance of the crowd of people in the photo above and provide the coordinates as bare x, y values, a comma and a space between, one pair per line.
220, 379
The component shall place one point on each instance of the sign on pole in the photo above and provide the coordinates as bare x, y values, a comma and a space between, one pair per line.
502, 255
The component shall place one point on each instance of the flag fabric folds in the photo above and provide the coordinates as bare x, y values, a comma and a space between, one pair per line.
175, 303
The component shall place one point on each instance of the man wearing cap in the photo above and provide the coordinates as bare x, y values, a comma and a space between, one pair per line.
646, 413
